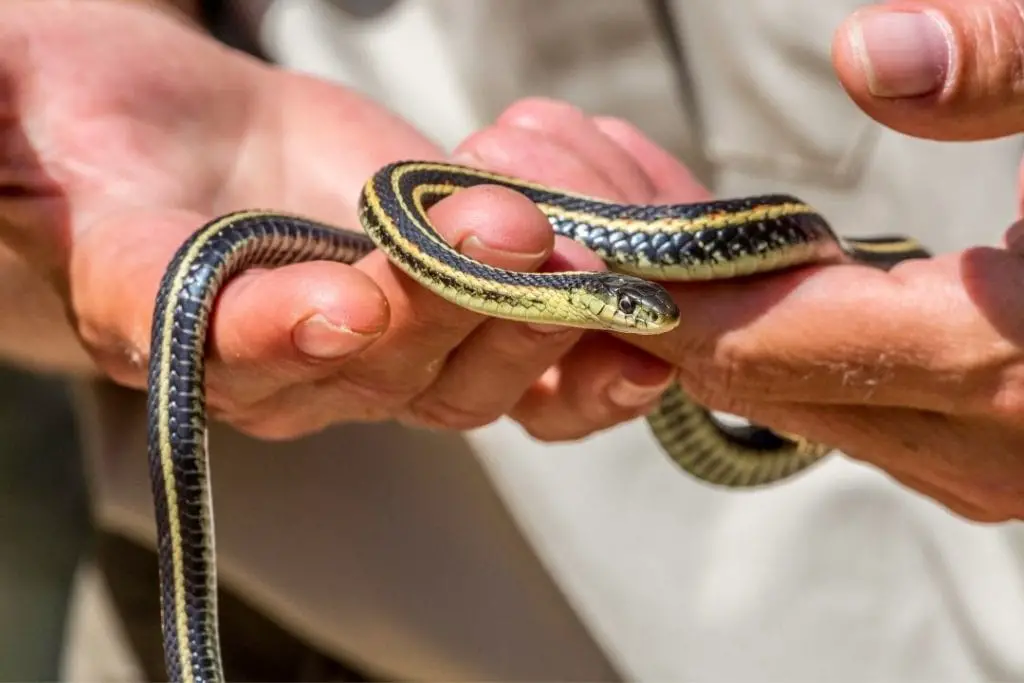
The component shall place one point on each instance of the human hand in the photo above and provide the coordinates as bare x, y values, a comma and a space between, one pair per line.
917, 370
124, 131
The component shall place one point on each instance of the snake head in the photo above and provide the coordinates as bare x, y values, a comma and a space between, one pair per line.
629, 304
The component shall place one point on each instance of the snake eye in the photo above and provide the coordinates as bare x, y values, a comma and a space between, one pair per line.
627, 305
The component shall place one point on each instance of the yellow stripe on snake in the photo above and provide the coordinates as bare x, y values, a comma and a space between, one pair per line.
701, 241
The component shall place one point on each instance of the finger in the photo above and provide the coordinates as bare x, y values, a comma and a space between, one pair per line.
488, 224
534, 156
851, 334
487, 374
973, 467
671, 180
1013, 238
940, 69
950, 500
492, 225
558, 146
269, 328
570, 128
603, 382
325, 315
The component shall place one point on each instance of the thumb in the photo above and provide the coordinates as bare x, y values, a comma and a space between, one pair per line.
938, 69
271, 327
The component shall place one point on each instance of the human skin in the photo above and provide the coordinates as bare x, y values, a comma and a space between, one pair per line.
100, 187
918, 371
101, 181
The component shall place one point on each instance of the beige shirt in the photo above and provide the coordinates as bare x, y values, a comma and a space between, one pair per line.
496, 557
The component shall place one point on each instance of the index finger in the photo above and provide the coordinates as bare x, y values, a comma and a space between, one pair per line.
938, 334
490, 224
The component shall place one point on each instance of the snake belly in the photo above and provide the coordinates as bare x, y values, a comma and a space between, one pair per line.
702, 241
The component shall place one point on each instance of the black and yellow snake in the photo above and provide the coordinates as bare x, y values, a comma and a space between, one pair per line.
716, 239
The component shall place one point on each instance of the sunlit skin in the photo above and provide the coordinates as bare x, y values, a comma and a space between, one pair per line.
101, 183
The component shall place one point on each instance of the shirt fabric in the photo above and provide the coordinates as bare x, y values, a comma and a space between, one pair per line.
491, 556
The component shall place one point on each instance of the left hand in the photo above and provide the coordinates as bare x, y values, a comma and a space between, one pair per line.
919, 370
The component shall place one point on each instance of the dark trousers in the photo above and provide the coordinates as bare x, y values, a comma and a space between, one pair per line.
254, 648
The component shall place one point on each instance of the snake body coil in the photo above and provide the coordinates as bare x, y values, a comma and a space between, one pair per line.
711, 240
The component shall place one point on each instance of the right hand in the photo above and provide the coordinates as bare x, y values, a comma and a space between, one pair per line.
122, 131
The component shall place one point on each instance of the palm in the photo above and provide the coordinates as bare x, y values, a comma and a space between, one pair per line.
107, 127
126, 146
165, 119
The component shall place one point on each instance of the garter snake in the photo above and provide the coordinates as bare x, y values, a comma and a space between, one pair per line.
716, 239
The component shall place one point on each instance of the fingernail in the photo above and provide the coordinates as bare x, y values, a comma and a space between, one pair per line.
643, 380
318, 337
903, 54
477, 249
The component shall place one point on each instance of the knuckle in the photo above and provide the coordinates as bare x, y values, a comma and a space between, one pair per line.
996, 33
272, 426
525, 346
124, 362
380, 395
229, 401
440, 412
741, 368
973, 380
551, 432
124, 368
1000, 390
386, 389
539, 109
1006, 404
549, 428
545, 432
712, 361
712, 395
282, 415
735, 362
619, 124
494, 143
439, 319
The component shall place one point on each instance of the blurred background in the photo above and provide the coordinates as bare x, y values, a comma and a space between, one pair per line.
44, 522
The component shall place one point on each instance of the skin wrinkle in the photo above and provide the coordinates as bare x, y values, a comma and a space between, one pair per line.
19, 168
64, 169
760, 371
1018, 65
1007, 398
988, 276
759, 374
39, 206
983, 23
998, 29
927, 369
756, 358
